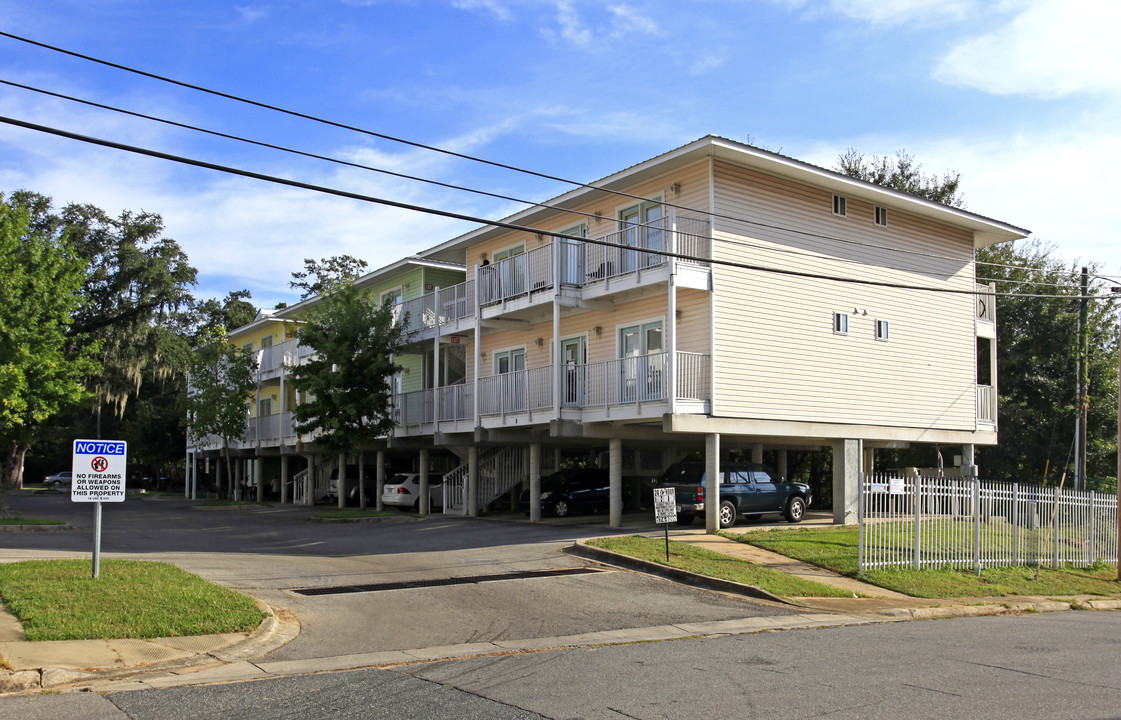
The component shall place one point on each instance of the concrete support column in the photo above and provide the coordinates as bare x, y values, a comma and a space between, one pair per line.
309, 480
424, 498
712, 483
869, 465
968, 461
284, 499
239, 476
472, 509
258, 478
781, 461
846, 480
757, 452
615, 475
379, 483
535, 482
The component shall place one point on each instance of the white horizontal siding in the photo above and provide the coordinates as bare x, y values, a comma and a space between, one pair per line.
776, 355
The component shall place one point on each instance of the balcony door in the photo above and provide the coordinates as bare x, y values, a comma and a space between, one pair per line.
509, 365
641, 363
638, 232
574, 360
511, 271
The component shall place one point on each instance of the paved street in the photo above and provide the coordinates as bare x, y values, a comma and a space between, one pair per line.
1051, 665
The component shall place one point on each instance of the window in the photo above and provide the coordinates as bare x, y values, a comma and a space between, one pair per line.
266, 341
248, 346
881, 330
840, 323
391, 298
509, 361
642, 230
839, 204
881, 216
265, 407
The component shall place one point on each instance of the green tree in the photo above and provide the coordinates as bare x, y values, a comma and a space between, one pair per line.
902, 174
347, 380
136, 310
221, 382
231, 313
39, 279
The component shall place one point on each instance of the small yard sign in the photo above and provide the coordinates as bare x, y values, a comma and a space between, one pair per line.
98, 469
665, 510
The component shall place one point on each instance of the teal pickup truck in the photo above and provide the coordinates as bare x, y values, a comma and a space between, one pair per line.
746, 489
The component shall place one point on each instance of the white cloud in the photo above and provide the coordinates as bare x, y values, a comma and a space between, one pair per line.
891, 12
1052, 48
251, 14
499, 10
622, 21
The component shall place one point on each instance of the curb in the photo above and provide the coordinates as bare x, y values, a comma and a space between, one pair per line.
608, 557
36, 528
277, 629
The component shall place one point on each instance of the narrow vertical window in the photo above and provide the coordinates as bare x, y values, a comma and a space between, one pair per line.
881, 330
839, 206
840, 323
881, 216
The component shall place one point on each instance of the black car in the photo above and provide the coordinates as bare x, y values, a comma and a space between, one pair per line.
746, 489
575, 490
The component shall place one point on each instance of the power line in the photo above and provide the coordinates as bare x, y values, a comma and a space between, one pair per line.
392, 173
452, 153
493, 223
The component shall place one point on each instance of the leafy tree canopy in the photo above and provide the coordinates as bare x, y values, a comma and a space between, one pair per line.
320, 277
902, 174
347, 381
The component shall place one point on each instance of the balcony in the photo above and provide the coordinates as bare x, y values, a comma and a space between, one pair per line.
627, 387
576, 263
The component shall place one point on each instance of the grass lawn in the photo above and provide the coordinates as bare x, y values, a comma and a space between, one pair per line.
29, 521
836, 549
59, 600
705, 562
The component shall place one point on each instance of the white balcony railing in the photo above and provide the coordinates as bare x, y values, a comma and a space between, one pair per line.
518, 391
986, 403
986, 304
632, 380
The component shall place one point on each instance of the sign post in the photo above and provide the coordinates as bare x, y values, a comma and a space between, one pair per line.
98, 471
665, 510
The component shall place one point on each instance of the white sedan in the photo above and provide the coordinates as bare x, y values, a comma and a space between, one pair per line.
403, 490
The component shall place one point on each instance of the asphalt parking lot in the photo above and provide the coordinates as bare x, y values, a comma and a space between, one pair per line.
273, 553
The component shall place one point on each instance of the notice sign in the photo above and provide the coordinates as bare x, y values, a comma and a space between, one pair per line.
665, 505
98, 468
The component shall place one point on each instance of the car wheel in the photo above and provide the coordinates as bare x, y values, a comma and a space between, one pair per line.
560, 508
795, 509
685, 518
727, 514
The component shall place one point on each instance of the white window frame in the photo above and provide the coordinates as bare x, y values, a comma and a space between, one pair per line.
641, 325
882, 330
496, 354
840, 205
399, 292
840, 323
880, 216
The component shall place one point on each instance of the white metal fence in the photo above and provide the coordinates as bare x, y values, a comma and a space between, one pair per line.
967, 523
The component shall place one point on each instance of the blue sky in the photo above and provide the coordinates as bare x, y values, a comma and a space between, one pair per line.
1019, 96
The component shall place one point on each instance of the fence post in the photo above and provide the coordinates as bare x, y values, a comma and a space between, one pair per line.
1093, 535
918, 522
860, 522
1055, 530
1015, 523
977, 525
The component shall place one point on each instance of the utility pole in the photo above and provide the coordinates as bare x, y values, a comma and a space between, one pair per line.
1082, 369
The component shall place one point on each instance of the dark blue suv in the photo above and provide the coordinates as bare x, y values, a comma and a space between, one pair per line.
747, 489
